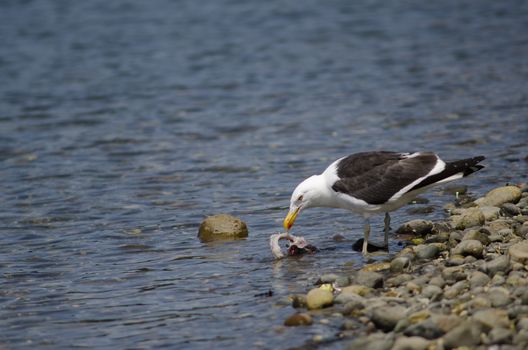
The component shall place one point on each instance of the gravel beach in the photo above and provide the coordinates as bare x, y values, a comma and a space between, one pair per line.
459, 283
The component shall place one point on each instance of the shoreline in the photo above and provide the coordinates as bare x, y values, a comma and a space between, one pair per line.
460, 282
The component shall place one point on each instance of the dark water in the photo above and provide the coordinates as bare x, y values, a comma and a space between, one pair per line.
124, 123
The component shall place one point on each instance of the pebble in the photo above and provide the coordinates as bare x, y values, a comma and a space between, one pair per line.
456, 289
469, 218
509, 209
490, 213
346, 297
298, 319
328, 278
369, 279
499, 296
386, 318
465, 334
469, 247
499, 196
411, 343
519, 251
400, 264
492, 318
500, 336
427, 329
318, 298
373, 341
416, 227
432, 292
478, 279
357, 289
478, 235
426, 251
454, 273
501, 263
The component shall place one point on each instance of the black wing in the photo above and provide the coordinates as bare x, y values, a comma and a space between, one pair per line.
376, 176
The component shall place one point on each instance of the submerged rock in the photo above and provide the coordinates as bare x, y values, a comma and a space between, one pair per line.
298, 319
222, 227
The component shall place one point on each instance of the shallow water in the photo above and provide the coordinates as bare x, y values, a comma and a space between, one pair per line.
124, 123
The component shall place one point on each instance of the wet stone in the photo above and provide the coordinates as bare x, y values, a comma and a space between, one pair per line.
222, 227
318, 298
298, 319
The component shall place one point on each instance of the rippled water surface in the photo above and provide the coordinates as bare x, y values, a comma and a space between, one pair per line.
124, 123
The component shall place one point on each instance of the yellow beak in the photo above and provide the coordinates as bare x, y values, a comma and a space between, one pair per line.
290, 218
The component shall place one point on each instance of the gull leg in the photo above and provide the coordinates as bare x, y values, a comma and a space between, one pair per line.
366, 234
386, 230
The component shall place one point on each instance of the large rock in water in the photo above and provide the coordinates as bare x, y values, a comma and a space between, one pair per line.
222, 227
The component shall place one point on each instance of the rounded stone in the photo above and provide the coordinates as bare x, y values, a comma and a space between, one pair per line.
500, 263
469, 218
499, 296
369, 279
465, 334
426, 251
400, 264
222, 227
411, 343
510, 209
478, 235
519, 251
298, 319
416, 227
469, 247
478, 279
490, 213
318, 298
500, 195
386, 318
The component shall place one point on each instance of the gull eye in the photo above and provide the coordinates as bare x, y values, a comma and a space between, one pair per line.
300, 198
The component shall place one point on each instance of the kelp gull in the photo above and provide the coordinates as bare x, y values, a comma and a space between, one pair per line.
368, 183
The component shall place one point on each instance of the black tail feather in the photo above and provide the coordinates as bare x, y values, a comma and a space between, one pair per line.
464, 166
